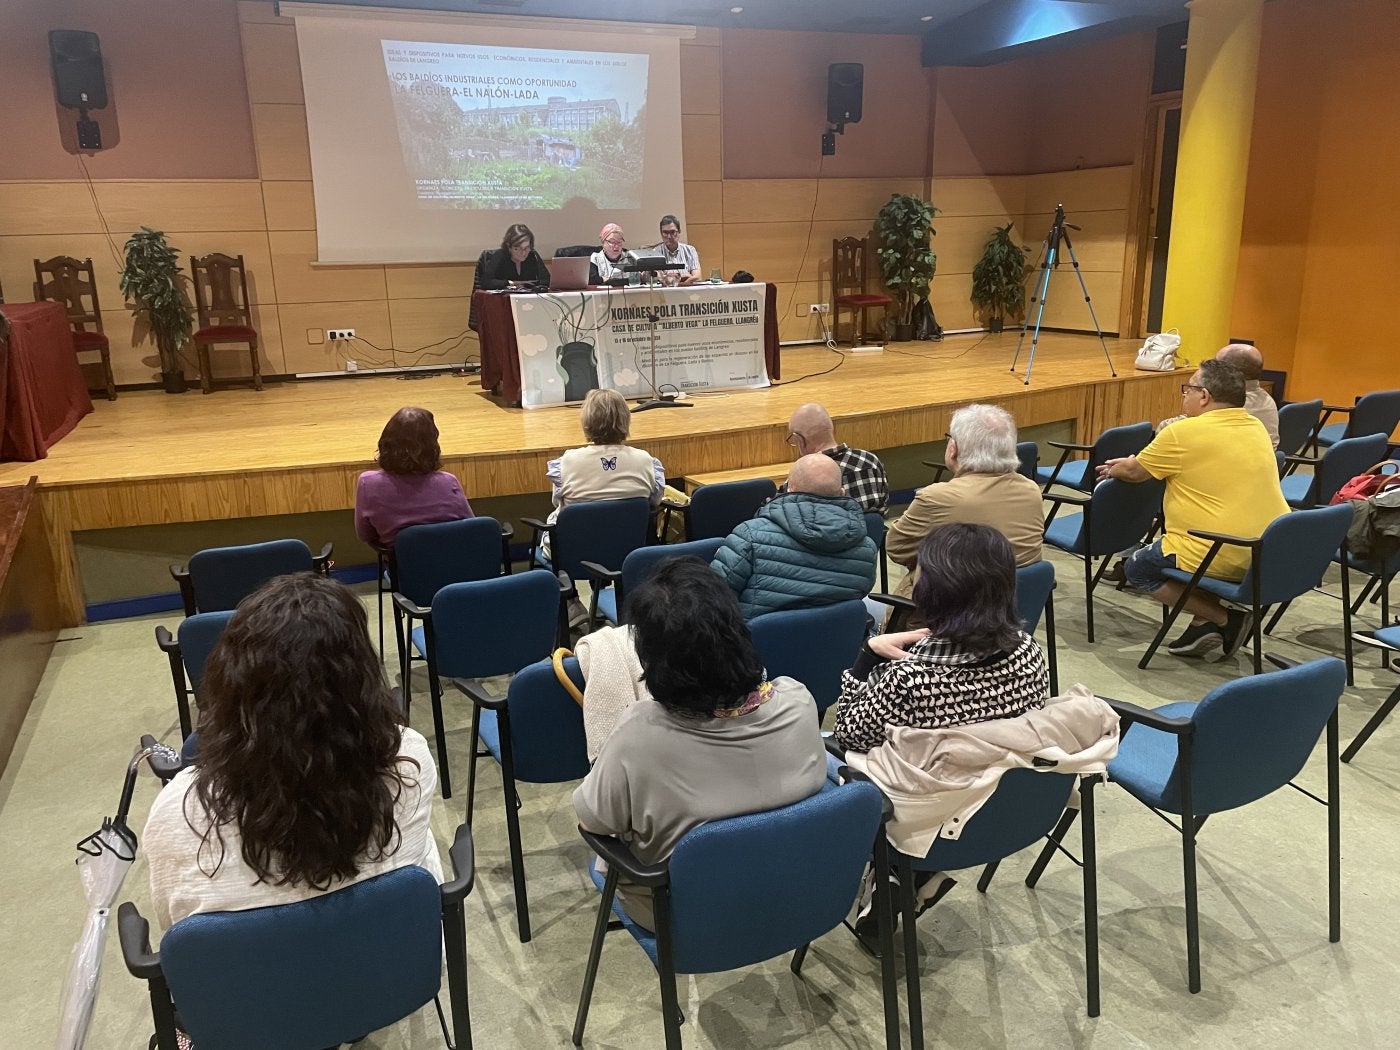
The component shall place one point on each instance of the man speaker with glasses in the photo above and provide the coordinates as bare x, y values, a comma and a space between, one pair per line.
674, 251
1221, 476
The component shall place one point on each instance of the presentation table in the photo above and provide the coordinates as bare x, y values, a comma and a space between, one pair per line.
500, 352
42, 390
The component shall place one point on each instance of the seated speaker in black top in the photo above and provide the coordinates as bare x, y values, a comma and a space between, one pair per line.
514, 262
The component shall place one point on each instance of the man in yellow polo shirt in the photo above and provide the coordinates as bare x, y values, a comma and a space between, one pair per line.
1221, 476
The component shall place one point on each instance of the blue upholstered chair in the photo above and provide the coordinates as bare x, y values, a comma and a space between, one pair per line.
1375, 413
1388, 641
535, 733
482, 629
1027, 462
811, 645
611, 586
803, 864
188, 650
1081, 474
1288, 560
1114, 516
714, 510
316, 973
1243, 741
1297, 425
218, 578
1035, 595
876, 527
1342, 461
426, 558
601, 533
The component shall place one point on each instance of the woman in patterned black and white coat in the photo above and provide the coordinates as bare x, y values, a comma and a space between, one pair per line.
972, 663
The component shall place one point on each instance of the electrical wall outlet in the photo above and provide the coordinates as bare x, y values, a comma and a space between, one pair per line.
351, 365
336, 334
815, 308
821, 308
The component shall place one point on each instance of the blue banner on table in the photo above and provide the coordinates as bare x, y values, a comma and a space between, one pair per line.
708, 337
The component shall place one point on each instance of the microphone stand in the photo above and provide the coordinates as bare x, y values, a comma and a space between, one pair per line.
649, 266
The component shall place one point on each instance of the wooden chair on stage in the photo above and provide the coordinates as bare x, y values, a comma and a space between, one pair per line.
225, 315
65, 280
849, 260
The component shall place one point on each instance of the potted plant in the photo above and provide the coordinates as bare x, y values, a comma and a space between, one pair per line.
907, 263
150, 281
999, 279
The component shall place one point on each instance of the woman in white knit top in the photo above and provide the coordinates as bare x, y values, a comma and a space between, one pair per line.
306, 780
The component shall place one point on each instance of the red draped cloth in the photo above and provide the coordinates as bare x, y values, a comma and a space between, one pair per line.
42, 390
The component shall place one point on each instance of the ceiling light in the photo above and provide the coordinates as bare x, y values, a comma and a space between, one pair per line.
736, 10
926, 18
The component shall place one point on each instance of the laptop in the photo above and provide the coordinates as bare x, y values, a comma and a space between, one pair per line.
568, 274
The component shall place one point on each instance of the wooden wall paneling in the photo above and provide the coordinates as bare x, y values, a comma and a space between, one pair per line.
773, 251
369, 318
429, 282
47, 208
704, 201
17, 255
948, 295
261, 12
279, 133
859, 200
702, 146
1087, 189
708, 240
1065, 307
289, 205
769, 200
271, 63
700, 79
989, 195
416, 323
257, 258
182, 204
297, 281
960, 239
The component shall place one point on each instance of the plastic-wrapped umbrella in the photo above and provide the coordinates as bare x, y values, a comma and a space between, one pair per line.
103, 860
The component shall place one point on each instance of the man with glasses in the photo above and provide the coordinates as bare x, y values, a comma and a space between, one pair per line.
673, 251
1221, 476
1249, 363
862, 474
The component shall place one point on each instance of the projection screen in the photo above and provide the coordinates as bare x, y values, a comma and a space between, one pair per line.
431, 133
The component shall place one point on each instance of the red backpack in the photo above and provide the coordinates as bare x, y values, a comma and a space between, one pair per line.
1375, 479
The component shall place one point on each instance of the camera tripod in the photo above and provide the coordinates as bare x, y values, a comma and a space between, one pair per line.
1049, 263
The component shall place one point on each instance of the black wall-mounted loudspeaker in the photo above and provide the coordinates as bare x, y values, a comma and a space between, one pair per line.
77, 69
844, 84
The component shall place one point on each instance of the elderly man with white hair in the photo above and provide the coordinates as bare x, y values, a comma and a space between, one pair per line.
985, 490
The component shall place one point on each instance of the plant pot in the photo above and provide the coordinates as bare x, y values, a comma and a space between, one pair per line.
173, 382
902, 333
994, 325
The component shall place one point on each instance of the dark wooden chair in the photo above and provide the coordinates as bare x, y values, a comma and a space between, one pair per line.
225, 316
849, 261
65, 280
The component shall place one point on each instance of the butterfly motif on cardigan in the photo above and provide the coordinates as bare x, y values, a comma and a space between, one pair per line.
609, 462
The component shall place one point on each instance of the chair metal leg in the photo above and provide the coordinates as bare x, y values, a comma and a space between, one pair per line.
257, 365
1371, 726
987, 873
1166, 627
1050, 653
595, 952
1278, 615
1366, 590
163, 1013
884, 915
439, 729
1334, 832
1188, 868
1089, 846
471, 764
205, 379
454, 932
517, 858
913, 993
1055, 837
1347, 644
1089, 595
665, 969
797, 958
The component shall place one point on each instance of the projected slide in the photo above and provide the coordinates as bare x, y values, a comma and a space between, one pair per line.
510, 128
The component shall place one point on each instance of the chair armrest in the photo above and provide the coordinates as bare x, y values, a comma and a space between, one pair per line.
939, 469
411, 608
894, 601
166, 641
134, 932
537, 525
507, 530
1282, 662
181, 576
463, 856
1299, 461
620, 857
1338, 408
164, 760
1077, 499
1070, 446
1133, 713
670, 504
477, 694
848, 774
322, 562
1222, 537
598, 573
833, 746
178, 572
1366, 638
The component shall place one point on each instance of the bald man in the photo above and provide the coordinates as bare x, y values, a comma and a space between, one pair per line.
810, 430
1249, 363
805, 547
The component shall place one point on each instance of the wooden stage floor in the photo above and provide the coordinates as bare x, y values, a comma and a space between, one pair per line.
150, 458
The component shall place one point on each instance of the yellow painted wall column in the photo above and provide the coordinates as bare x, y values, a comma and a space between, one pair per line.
1217, 113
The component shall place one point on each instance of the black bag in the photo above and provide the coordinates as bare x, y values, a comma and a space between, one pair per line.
926, 326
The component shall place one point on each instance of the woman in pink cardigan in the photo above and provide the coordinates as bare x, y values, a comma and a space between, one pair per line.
408, 488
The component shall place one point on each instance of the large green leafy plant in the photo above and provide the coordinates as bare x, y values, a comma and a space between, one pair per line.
907, 263
999, 278
150, 281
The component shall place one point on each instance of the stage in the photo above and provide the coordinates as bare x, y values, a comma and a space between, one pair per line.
151, 458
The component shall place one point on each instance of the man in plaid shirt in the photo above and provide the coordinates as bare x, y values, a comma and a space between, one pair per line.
862, 474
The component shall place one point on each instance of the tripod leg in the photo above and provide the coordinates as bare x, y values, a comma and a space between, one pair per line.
1026, 320
1040, 312
1090, 303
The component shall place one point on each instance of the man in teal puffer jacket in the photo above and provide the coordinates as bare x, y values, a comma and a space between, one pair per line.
806, 547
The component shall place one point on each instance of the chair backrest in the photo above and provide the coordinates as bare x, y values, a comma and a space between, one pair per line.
603, 531
811, 645
492, 627
801, 867
477, 272
1344, 460
317, 973
1375, 413
638, 566
1115, 443
547, 742
875, 527
849, 265
1122, 513
1034, 585
1254, 734
63, 279
221, 577
1296, 551
1023, 809
576, 251
429, 557
1296, 422
197, 635
715, 509
1027, 459
220, 289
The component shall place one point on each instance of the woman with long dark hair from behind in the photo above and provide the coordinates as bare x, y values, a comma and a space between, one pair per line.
307, 781
410, 487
